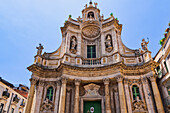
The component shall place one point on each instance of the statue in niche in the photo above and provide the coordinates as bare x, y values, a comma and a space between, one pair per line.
144, 45
108, 43
39, 49
73, 45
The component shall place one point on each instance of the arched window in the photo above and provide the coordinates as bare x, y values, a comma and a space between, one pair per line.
90, 14
135, 91
50, 93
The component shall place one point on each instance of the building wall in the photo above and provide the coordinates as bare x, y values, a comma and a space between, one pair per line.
9, 105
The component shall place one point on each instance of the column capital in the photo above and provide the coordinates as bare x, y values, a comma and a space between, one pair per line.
126, 81
41, 83
152, 78
33, 81
144, 80
77, 82
119, 78
64, 80
106, 81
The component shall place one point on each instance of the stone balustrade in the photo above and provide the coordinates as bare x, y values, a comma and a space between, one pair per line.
91, 61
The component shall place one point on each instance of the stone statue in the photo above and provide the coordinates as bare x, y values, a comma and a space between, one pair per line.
144, 45
139, 104
95, 4
39, 49
108, 43
47, 105
73, 43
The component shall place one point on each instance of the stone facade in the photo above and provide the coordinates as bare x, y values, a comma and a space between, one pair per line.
92, 67
163, 57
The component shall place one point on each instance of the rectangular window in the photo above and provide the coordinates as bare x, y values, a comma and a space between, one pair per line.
91, 51
1, 108
12, 110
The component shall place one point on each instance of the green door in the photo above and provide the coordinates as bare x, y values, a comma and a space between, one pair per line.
92, 104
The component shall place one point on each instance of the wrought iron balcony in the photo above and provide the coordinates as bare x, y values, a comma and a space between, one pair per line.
91, 61
5, 94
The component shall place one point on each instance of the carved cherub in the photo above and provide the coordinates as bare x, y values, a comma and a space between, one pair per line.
39, 49
144, 45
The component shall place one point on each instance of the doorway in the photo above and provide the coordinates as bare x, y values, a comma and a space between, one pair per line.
94, 106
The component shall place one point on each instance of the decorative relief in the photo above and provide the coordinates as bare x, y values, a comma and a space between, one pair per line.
132, 81
47, 106
73, 45
108, 43
139, 106
92, 90
130, 60
91, 31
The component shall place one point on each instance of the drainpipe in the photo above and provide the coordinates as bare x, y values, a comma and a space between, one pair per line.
10, 103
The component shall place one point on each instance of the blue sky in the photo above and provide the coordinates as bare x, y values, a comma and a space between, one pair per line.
26, 23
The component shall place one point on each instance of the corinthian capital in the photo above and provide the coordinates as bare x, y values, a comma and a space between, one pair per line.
106, 81
77, 82
41, 83
33, 81
152, 78
64, 80
119, 78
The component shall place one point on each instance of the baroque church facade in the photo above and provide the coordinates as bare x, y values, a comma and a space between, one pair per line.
93, 71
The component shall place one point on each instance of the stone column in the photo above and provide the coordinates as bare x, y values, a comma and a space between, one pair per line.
117, 105
31, 95
68, 100
39, 96
123, 108
107, 95
76, 99
144, 83
157, 96
62, 96
57, 98
128, 100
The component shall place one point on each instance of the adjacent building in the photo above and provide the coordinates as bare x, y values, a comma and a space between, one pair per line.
163, 70
12, 99
93, 71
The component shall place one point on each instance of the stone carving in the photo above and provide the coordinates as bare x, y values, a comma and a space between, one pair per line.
92, 89
108, 43
139, 105
39, 49
91, 31
144, 45
47, 106
73, 45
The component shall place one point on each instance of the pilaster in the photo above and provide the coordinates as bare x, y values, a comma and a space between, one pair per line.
107, 95
31, 95
76, 99
62, 96
39, 96
121, 94
157, 96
